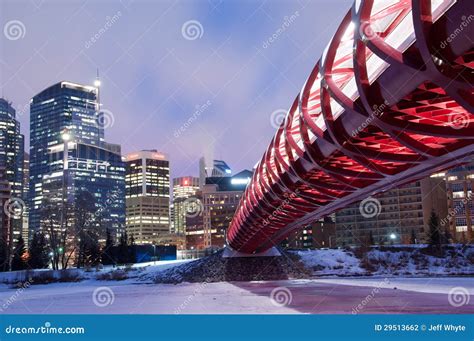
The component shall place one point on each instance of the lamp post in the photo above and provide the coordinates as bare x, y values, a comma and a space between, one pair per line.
392, 237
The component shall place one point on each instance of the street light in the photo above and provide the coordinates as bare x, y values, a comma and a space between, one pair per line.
97, 83
66, 136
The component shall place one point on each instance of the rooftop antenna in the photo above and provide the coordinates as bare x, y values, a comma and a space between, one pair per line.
97, 85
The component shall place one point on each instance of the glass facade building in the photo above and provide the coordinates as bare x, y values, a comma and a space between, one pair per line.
94, 168
11, 158
148, 196
11, 147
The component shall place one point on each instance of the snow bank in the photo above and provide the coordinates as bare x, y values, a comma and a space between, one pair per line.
455, 260
123, 272
331, 262
398, 260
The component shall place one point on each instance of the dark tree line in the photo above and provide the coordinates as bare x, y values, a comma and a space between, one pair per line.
90, 253
35, 257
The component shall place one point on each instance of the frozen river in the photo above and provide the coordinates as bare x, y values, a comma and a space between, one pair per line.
316, 296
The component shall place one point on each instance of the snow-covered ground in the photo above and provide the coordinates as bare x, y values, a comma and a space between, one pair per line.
131, 271
267, 297
331, 262
433, 285
400, 281
458, 260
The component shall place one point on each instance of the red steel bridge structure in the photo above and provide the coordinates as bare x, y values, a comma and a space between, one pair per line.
389, 102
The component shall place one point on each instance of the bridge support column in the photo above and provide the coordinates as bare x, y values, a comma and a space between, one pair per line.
231, 253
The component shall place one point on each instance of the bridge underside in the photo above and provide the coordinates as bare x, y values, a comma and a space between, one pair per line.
390, 101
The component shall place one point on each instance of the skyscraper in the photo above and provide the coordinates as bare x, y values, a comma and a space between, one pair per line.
11, 157
26, 187
183, 188
5, 232
147, 196
11, 147
71, 166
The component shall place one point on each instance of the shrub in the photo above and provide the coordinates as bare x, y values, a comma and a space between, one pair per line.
68, 276
115, 275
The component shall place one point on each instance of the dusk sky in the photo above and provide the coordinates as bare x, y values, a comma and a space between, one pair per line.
155, 72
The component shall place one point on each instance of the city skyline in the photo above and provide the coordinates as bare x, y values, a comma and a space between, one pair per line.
154, 71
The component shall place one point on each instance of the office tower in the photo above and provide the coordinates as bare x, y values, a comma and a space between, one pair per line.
11, 147
26, 174
460, 218
214, 168
73, 171
147, 196
220, 197
5, 193
195, 239
172, 218
394, 216
93, 183
183, 188
26, 187
11, 157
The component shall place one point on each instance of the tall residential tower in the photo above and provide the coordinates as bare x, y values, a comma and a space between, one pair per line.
147, 196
